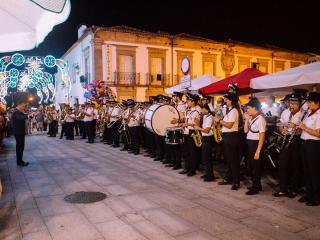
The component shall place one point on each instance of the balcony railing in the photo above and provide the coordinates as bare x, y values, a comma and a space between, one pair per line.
160, 80
177, 78
126, 78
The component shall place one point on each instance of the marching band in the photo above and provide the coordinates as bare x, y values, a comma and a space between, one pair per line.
200, 128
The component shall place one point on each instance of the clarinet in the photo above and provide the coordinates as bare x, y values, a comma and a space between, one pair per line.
296, 129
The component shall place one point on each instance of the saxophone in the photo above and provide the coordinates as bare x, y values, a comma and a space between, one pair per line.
197, 138
216, 128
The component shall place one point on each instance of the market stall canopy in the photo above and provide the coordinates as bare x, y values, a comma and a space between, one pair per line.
281, 83
196, 84
25, 23
242, 79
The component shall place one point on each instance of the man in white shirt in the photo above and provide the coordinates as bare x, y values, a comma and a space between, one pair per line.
88, 121
289, 160
114, 123
69, 121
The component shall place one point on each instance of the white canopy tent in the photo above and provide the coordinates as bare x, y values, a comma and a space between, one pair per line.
25, 23
196, 84
281, 83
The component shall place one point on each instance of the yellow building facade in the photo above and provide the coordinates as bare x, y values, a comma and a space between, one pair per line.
138, 64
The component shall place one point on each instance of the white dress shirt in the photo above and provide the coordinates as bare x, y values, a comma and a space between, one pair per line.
231, 116
256, 126
312, 122
89, 111
207, 122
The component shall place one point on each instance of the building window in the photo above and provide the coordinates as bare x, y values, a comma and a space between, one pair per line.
263, 65
126, 65
157, 66
209, 64
243, 63
278, 66
87, 63
180, 56
295, 64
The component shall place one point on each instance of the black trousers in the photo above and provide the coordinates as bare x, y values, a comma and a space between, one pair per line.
63, 129
77, 127
94, 126
135, 138
193, 156
311, 165
53, 128
160, 143
254, 166
114, 134
289, 166
206, 154
70, 130
231, 143
89, 130
20, 139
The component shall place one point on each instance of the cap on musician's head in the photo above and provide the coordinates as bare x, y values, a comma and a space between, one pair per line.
302, 92
232, 97
124, 102
295, 97
193, 97
286, 98
233, 86
206, 97
131, 102
167, 98
254, 102
313, 96
177, 94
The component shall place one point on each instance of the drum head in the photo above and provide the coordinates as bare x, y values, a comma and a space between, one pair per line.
161, 119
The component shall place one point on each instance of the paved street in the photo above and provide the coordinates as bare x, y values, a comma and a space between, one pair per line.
145, 200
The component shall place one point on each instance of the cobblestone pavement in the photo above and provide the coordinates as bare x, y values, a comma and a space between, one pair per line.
145, 200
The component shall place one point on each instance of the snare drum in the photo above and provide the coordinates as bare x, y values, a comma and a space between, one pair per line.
174, 135
158, 118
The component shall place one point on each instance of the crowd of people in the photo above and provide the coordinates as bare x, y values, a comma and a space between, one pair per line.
292, 129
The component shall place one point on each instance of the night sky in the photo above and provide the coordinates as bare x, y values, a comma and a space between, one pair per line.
285, 24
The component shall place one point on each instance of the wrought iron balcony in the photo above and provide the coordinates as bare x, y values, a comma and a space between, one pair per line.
126, 78
160, 80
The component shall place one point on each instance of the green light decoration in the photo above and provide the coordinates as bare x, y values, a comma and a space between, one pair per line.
33, 75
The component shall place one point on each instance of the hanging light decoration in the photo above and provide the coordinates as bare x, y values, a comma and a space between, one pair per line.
21, 73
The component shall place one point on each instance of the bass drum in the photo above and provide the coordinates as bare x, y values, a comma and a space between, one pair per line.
158, 118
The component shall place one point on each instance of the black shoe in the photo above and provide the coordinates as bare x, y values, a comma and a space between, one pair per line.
147, 155
183, 172
176, 167
115, 146
304, 199
252, 192
23, 164
204, 176
280, 194
165, 162
169, 165
190, 174
235, 187
313, 203
136, 153
224, 182
123, 149
292, 194
260, 188
153, 156
208, 179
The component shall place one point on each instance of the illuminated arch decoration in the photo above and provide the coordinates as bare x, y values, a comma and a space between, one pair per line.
21, 73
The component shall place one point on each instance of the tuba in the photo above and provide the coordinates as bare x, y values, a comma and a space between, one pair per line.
197, 138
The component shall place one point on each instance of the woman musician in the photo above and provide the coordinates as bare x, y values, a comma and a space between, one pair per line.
310, 150
255, 128
207, 142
